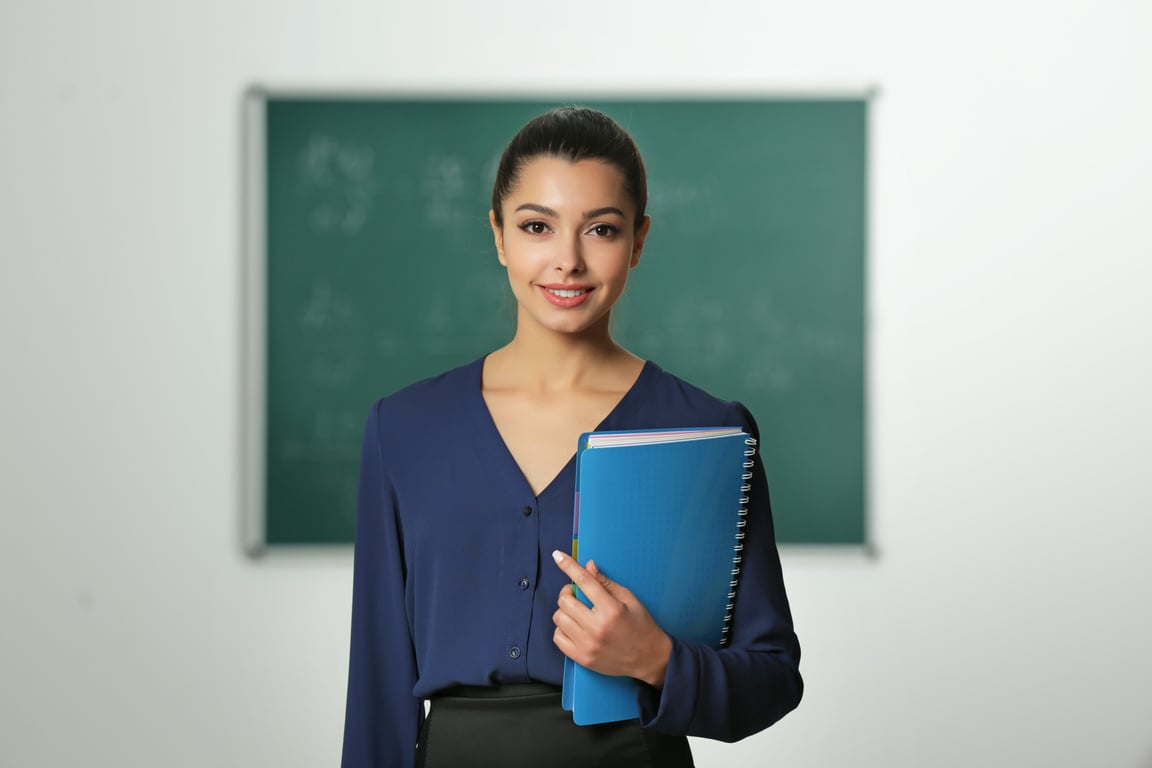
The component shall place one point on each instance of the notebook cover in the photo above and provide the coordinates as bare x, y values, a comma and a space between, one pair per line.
661, 520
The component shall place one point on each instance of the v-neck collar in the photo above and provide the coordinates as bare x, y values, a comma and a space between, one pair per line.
493, 448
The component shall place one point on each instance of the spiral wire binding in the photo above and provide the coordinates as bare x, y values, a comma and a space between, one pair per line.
738, 545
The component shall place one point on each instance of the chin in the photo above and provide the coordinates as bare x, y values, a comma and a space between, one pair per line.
568, 326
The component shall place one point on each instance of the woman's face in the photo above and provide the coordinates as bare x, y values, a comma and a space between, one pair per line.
568, 242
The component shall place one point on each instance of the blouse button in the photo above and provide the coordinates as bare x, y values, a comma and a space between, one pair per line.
514, 651
527, 511
523, 583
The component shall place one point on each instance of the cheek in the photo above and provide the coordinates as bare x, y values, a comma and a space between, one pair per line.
522, 267
524, 256
622, 261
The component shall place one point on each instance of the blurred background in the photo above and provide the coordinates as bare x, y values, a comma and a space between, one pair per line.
1006, 618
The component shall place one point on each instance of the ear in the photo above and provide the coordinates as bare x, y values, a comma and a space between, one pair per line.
497, 237
638, 240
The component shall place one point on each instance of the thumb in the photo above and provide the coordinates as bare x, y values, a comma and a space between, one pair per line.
615, 590
605, 582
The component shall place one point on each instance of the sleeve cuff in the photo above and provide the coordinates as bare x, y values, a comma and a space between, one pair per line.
672, 709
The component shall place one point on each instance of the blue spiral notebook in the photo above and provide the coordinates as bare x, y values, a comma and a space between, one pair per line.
662, 513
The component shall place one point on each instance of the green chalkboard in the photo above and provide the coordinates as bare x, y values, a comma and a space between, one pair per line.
372, 266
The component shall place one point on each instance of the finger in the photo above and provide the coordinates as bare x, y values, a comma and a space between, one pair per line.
578, 618
574, 641
565, 644
571, 648
567, 625
588, 584
614, 589
571, 604
593, 569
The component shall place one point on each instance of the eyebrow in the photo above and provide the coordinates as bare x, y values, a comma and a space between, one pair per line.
602, 211
545, 210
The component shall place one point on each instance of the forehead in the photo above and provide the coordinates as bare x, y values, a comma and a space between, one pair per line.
554, 180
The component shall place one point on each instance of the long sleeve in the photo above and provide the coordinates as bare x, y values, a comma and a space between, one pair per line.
383, 717
735, 691
448, 586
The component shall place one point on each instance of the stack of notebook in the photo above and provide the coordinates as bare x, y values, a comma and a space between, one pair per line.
662, 513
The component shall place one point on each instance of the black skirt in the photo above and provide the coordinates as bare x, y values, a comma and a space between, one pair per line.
524, 726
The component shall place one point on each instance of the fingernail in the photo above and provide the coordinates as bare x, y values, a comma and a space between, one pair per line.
557, 555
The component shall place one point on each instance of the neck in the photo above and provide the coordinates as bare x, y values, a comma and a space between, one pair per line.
547, 360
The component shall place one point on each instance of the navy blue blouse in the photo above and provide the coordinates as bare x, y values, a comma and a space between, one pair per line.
454, 582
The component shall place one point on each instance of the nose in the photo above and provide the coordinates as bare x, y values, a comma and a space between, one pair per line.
570, 259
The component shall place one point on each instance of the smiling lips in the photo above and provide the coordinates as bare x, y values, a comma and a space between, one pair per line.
565, 295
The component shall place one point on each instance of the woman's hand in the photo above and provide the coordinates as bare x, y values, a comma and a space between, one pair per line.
617, 635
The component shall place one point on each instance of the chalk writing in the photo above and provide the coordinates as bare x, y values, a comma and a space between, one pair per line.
444, 188
338, 180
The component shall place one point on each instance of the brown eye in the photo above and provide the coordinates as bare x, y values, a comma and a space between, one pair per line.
534, 227
603, 230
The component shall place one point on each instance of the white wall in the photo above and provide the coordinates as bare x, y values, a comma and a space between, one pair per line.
1008, 618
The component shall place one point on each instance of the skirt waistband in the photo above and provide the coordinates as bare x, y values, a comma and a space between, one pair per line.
523, 725
509, 691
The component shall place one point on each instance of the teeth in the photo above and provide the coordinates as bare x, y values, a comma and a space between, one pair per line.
565, 293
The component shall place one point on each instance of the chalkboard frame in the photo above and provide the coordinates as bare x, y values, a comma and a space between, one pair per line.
254, 447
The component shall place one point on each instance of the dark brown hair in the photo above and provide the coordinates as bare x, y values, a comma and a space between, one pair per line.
573, 133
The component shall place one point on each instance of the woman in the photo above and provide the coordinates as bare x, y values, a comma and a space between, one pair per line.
465, 510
